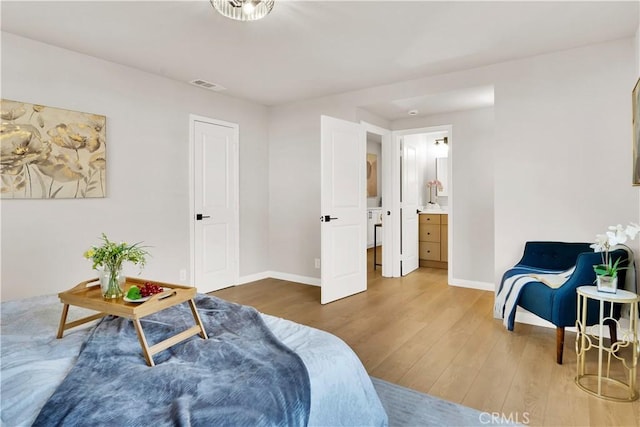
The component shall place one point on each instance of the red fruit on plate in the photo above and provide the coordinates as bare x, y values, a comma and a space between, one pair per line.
149, 289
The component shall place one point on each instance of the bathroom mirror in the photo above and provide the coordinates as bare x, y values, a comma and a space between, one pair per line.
441, 175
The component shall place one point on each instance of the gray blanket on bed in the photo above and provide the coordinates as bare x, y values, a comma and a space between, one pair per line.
241, 375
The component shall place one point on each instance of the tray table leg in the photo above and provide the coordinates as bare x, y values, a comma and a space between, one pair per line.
63, 321
196, 316
150, 351
143, 343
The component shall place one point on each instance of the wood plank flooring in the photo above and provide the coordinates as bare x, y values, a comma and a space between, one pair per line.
419, 332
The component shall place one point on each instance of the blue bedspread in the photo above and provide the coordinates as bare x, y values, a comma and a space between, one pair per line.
241, 375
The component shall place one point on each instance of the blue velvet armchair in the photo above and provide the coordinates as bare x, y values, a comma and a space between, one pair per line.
559, 305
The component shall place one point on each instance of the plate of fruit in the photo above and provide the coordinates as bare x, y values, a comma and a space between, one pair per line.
143, 292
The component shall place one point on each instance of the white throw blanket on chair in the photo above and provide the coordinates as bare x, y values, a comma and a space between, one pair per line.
507, 297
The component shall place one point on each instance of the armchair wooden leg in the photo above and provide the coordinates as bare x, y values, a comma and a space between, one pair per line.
559, 344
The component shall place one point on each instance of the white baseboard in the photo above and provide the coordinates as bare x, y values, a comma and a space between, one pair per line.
305, 280
253, 277
472, 284
314, 281
523, 316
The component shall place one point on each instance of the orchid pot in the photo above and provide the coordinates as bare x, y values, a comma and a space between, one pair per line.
606, 283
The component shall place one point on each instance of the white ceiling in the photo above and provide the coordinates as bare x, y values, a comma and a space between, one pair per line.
438, 103
306, 49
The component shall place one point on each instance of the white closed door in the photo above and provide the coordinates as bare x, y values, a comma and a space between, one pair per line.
343, 220
409, 207
215, 188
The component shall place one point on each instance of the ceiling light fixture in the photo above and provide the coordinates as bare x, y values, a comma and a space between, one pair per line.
444, 140
243, 10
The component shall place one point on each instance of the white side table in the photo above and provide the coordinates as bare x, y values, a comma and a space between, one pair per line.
603, 384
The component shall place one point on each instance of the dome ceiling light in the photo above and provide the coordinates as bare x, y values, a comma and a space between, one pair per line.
243, 10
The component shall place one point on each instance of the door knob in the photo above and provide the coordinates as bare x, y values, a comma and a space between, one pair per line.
199, 217
327, 218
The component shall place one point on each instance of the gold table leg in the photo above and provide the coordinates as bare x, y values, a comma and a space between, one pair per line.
592, 383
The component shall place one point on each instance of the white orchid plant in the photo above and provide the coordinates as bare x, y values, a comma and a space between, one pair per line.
617, 235
434, 183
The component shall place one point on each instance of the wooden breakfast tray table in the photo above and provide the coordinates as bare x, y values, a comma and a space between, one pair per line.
88, 295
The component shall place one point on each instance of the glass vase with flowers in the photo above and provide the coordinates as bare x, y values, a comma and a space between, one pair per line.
108, 259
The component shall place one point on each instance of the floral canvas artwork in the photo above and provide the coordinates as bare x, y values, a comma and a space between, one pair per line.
48, 152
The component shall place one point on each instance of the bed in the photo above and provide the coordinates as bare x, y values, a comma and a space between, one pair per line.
34, 364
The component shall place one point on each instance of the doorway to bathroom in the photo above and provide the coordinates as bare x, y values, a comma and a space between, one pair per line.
374, 202
424, 197
379, 170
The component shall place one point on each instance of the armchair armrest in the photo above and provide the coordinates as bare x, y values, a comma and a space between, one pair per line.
565, 297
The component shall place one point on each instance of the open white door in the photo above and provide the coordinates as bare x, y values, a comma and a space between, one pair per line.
409, 207
215, 204
343, 209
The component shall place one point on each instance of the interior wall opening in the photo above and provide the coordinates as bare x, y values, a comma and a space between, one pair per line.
374, 204
434, 201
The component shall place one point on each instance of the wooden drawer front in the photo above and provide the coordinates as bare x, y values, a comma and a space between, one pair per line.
429, 233
429, 219
430, 251
444, 219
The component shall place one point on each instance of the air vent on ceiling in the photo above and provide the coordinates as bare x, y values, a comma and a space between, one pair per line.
207, 85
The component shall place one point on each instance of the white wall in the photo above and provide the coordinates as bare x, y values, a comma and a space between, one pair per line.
557, 118
294, 185
147, 175
637, 42
563, 147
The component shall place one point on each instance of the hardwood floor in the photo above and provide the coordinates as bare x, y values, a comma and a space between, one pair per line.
419, 332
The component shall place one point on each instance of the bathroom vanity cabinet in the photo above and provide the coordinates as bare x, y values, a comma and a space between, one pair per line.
433, 240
